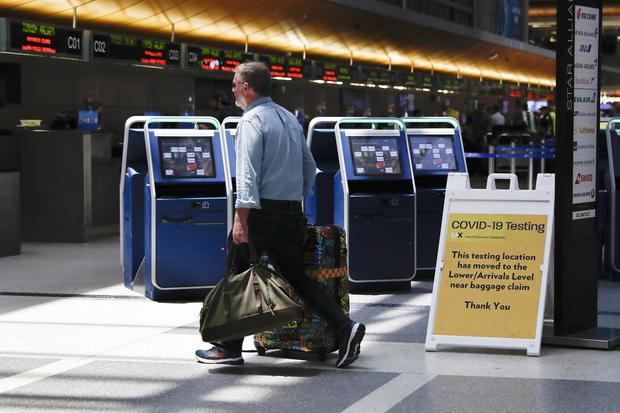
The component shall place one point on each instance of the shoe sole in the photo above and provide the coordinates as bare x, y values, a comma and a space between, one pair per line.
358, 333
235, 361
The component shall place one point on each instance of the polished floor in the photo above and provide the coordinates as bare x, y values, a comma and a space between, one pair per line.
73, 339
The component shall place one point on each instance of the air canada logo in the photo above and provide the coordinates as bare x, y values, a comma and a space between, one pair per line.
582, 15
585, 48
583, 178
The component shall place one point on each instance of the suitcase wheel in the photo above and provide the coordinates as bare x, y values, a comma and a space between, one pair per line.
260, 350
322, 355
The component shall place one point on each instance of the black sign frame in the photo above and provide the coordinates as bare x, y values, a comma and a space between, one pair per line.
44, 39
135, 50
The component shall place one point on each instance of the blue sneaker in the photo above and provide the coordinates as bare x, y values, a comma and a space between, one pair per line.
219, 355
350, 344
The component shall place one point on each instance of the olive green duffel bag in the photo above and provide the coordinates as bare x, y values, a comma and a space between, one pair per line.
255, 300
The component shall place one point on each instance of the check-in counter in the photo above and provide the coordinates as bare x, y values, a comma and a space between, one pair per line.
69, 185
10, 243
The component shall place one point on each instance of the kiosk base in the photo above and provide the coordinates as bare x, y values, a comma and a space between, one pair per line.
177, 296
424, 274
601, 338
378, 287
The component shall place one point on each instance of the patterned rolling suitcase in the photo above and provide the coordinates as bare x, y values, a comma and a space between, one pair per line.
326, 261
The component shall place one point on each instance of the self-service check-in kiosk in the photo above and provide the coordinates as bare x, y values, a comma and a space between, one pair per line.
436, 150
374, 200
228, 131
186, 209
612, 182
321, 139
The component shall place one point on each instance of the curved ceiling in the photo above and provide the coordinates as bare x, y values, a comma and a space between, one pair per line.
321, 28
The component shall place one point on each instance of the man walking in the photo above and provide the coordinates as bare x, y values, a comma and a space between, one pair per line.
275, 169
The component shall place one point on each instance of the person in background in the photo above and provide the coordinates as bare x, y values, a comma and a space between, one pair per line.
220, 108
518, 119
450, 111
275, 169
321, 109
546, 122
552, 116
497, 118
530, 120
479, 126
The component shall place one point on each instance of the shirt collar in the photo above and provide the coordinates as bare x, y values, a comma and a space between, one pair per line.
258, 101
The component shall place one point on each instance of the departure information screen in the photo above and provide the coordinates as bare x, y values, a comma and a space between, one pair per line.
187, 157
375, 155
432, 153
206, 58
148, 52
44, 39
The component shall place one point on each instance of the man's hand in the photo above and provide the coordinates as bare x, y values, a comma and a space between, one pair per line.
240, 226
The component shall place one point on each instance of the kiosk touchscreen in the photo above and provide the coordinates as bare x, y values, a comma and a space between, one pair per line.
435, 152
321, 139
612, 182
432, 153
374, 200
187, 156
186, 211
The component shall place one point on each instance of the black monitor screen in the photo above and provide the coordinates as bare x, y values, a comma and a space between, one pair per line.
375, 155
432, 153
187, 157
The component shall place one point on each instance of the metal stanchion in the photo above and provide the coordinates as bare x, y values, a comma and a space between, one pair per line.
530, 176
491, 159
513, 161
542, 160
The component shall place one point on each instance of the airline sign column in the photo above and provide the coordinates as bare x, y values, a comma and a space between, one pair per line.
585, 110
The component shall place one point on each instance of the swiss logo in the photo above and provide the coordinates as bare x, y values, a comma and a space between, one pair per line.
582, 15
583, 178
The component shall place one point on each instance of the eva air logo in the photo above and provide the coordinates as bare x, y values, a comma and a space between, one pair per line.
586, 99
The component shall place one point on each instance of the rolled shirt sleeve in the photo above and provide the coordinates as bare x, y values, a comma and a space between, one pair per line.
249, 149
273, 159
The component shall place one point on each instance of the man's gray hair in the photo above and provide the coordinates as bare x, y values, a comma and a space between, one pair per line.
257, 76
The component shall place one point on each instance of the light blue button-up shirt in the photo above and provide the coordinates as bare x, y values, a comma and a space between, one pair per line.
273, 159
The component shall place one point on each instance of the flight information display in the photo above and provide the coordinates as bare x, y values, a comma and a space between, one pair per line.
206, 58
329, 73
375, 155
432, 153
231, 59
296, 68
187, 157
44, 39
148, 52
